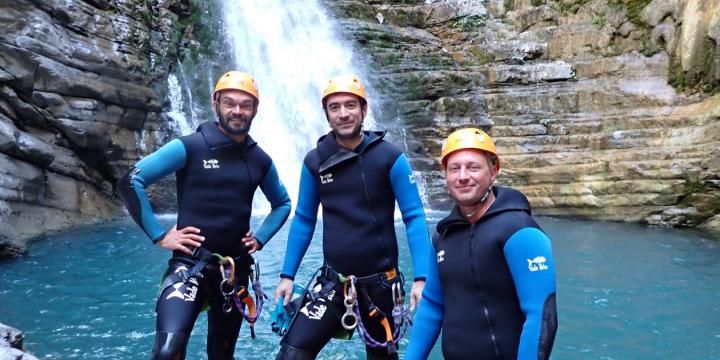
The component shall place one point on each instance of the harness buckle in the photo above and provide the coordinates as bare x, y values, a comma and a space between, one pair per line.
183, 276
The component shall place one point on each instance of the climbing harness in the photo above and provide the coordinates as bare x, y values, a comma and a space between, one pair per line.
238, 295
351, 319
235, 295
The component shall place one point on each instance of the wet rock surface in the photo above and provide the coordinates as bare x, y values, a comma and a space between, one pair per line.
11, 344
79, 96
600, 109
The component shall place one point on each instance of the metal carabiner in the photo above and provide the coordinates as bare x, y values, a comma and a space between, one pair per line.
227, 306
349, 320
227, 288
256, 270
398, 295
349, 301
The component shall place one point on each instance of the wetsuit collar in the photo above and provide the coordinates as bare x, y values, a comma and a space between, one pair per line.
217, 139
331, 153
506, 199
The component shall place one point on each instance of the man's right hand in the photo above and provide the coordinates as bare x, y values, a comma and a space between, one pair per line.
183, 240
285, 289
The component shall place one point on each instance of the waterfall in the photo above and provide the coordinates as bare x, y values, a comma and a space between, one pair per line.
292, 50
177, 107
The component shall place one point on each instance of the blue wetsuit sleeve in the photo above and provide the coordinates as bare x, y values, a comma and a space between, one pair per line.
413, 214
429, 317
528, 253
168, 159
276, 194
303, 224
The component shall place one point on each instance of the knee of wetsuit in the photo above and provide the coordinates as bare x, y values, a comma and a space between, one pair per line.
288, 352
170, 346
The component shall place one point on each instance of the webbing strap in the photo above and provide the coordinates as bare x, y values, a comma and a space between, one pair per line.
203, 255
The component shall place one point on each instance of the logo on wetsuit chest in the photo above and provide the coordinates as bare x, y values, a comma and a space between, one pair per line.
441, 256
211, 164
537, 264
326, 179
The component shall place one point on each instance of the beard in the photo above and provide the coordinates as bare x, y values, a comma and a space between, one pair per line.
356, 132
224, 122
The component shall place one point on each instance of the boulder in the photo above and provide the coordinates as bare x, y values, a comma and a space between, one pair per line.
11, 344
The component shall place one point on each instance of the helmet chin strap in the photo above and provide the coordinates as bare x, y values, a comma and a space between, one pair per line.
479, 204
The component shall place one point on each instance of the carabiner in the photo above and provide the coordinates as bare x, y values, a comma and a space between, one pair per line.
256, 270
227, 306
227, 288
349, 301
398, 294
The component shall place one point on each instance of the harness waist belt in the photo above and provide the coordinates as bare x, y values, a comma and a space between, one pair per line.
331, 274
202, 256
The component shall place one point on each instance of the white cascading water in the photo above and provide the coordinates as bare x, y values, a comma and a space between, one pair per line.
177, 107
292, 50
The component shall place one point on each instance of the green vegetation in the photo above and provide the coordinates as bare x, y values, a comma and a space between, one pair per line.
452, 83
146, 17
610, 127
481, 56
568, 7
414, 87
455, 106
598, 21
632, 8
467, 23
353, 10
392, 59
676, 74
509, 5
712, 62
201, 13
692, 187
701, 196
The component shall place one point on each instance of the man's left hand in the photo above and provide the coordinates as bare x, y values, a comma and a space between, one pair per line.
416, 293
251, 243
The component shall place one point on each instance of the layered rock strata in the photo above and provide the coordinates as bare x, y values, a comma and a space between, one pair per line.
600, 109
79, 96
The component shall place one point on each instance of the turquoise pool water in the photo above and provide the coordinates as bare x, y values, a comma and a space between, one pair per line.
624, 292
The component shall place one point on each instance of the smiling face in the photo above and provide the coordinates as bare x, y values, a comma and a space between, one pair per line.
469, 173
235, 110
345, 113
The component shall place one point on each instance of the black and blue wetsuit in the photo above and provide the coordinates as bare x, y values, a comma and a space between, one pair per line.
216, 181
357, 189
490, 286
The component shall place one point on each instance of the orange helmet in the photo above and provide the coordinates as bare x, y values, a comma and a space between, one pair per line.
469, 138
344, 84
236, 80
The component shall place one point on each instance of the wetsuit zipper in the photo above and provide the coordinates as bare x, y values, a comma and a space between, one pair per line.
486, 312
372, 211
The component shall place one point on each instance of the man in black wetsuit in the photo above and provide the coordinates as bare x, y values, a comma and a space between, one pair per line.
218, 169
491, 275
357, 176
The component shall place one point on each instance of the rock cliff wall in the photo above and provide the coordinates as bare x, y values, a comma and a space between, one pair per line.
79, 95
601, 109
